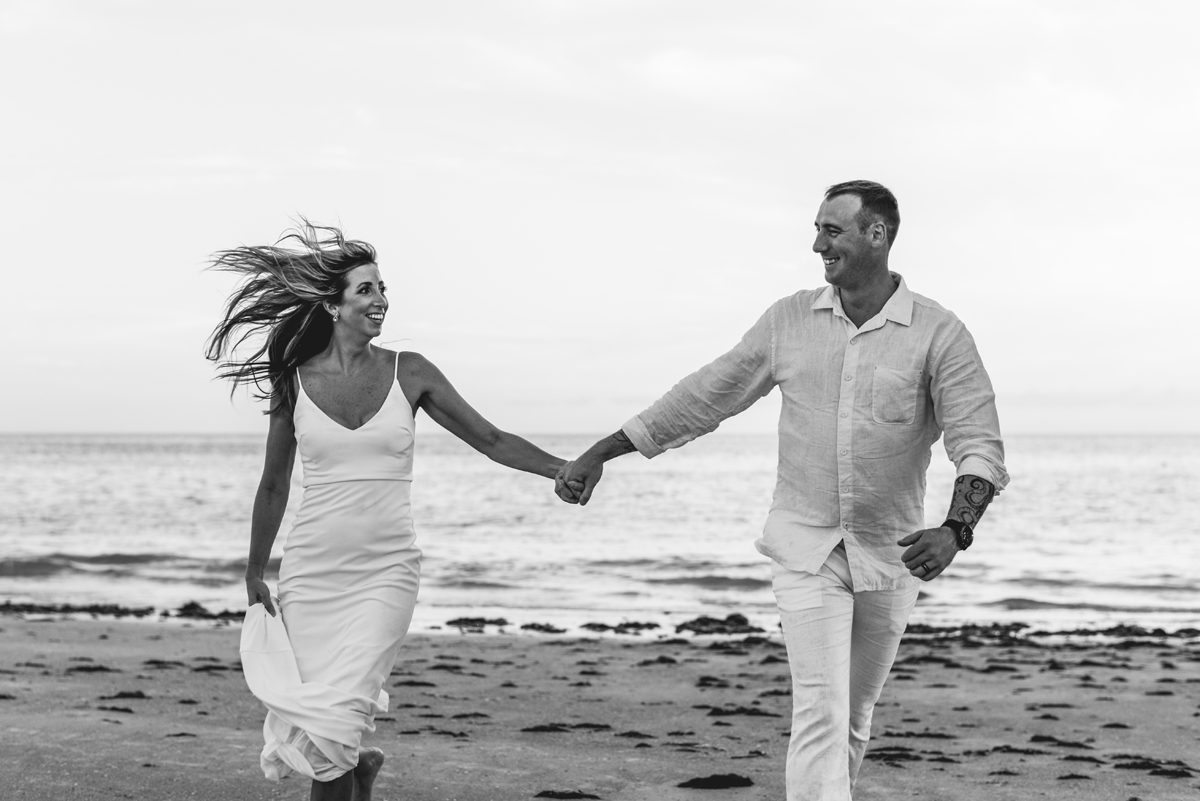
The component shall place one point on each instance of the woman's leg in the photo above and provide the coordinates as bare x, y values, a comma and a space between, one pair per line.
353, 786
340, 789
370, 760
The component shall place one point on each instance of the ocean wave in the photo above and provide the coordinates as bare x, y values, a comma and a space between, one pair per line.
111, 558
711, 582
149, 565
475, 584
623, 562
1021, 604
1165, 584
673, 563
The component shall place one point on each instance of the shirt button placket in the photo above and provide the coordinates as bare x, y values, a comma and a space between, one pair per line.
844, 423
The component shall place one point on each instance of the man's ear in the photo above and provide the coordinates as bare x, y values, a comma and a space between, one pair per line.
879, 234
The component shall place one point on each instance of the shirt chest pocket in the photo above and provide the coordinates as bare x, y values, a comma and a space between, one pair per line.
894, 395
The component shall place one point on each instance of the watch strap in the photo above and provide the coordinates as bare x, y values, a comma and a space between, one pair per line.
964, 535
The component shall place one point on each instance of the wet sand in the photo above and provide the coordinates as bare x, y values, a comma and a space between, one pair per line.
113, 708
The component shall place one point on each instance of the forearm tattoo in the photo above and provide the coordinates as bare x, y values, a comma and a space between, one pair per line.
623, 445
972, 495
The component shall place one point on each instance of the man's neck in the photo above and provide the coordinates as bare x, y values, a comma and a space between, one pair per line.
864, 301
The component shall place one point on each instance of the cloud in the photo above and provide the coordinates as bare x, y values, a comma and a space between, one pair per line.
760, 81
468, 62
519, 67
23, 18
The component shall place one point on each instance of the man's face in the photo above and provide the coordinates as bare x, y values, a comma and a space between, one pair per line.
850, 256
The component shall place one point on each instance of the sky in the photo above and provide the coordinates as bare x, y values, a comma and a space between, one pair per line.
578, 203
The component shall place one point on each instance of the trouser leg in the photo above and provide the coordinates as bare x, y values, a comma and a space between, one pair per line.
817, 612
879, 621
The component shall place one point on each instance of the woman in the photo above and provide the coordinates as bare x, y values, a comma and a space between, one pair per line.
350, 571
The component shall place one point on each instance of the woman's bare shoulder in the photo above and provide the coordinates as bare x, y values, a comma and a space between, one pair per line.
409, 361
416, 375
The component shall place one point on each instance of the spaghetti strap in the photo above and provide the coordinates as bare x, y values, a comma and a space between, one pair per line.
396, 369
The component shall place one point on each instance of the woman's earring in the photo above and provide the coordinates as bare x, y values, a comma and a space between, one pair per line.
335, 315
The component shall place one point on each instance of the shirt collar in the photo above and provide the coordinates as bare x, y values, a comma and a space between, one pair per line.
898, 308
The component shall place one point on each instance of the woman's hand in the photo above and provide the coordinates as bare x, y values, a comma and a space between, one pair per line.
567, 490
257, 592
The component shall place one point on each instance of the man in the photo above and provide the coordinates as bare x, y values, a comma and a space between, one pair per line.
871, 375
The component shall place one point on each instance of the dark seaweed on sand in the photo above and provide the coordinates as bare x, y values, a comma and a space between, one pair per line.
630, 627
732, 624
718, 781
751, 711
95, 610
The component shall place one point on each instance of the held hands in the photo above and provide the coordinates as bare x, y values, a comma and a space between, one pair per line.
576, 480
257, 592
930, 552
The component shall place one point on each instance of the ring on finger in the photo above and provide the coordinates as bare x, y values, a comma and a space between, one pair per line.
925, 566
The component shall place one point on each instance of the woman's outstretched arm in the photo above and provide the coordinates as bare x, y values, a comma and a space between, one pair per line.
441, 401
269, 504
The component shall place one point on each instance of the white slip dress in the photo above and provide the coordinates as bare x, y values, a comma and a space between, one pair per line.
347, 587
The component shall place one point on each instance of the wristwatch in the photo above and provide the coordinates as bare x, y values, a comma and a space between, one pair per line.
963, 535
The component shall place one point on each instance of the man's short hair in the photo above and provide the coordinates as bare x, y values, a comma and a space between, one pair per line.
878, 203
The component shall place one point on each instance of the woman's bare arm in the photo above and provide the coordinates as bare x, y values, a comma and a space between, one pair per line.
269, 504
441, 401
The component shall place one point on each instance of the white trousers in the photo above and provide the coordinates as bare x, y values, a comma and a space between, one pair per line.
841, 645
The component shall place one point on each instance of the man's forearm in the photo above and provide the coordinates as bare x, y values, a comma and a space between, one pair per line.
972, 495
612, 446
576, 481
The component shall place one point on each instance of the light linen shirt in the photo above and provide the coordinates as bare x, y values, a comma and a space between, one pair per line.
862, 408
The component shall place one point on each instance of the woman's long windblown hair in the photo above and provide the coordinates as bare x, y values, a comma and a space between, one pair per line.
280, 297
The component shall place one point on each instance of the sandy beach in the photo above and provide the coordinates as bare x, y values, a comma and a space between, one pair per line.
138, 708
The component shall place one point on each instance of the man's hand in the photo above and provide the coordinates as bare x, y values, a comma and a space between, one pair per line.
930, 551
567, 491
578, 479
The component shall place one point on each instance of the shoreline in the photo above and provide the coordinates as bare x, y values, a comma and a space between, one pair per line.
732, 624
108, 707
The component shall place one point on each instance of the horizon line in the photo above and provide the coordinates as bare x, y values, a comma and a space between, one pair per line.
443, 433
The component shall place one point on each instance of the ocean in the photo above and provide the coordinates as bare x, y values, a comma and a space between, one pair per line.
1092, 531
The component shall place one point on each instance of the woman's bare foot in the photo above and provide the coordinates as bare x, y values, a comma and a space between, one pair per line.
370, 760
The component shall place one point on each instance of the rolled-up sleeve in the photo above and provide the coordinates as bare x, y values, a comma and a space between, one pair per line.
697, 404
965, 407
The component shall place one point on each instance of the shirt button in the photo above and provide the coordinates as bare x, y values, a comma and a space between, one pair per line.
845, 414
854, 342
849, 377
844, 451
846, 526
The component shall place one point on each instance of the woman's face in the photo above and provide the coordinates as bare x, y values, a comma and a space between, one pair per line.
364, 302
